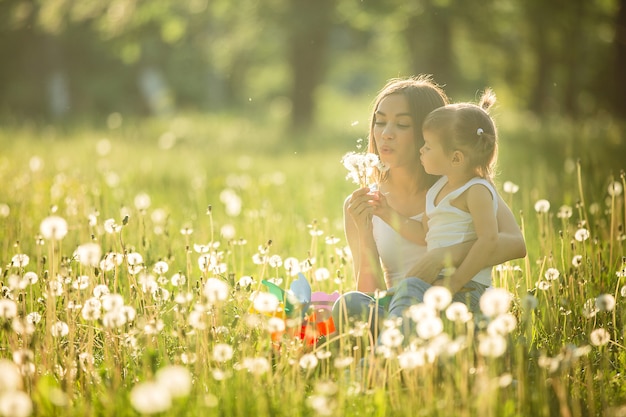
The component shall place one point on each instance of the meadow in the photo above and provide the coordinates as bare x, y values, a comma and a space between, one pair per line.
135, 258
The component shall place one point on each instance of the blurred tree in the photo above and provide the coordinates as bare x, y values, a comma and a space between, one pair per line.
619, 66
309, 25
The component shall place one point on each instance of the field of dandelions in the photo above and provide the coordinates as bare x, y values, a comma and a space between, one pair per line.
135, 264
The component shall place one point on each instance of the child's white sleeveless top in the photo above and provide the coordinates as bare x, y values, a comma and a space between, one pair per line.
449, 225
397, 254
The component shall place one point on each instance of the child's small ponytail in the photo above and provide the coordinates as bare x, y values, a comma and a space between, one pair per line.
487, 100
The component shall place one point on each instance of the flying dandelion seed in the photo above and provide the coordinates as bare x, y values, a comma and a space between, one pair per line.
495, 301
615, 189
20, 260
605, 302
437, 297
150, 398
308, 361
552, 274
176, 379
510, 187
542, 206
581, 234
599, 337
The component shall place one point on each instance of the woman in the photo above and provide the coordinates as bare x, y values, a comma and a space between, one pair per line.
382, 257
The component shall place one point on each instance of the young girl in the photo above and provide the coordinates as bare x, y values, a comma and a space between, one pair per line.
460, 144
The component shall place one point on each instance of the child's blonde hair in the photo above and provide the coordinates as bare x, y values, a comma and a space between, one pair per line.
468, 128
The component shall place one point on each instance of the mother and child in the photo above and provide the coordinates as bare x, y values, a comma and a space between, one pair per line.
434, 206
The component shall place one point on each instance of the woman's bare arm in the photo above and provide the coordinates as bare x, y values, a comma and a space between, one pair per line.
358, 229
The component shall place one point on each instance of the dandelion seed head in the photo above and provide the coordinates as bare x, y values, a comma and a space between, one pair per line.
265, 302
20, 260
542, 206
101, 290
577, 260
605, 302
8, 309
178, 279
543, 285
552, 274
342, 362
215, 290
88, 254
10, 377
615, 189
176, 379
581, 234
150, 397
438, 297
34, 317
5, 210
59, 329
391, 337
15, 404
409, 359
308, 361
565, 212
510, 187
419, 312
590, 309
429, 328
492, 346
275, 325
599, 337
321, 274
222, 352
458, 312
256, 366
495, 301
502, 324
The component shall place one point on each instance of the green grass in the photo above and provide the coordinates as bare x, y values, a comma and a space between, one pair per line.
553, 363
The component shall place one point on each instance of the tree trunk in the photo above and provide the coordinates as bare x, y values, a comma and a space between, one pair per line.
308, 45
619, 81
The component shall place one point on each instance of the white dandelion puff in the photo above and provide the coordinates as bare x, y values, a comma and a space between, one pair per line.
615, 189
391, 337
581, 234
605, 302
427, 329
265, 302
88, 254
20, 260
599, 337
542, 206
176, 379
552, 274
222, 352
437, 297
15, 404
308, 361
215, 290
53, 228
495, 301
150, 398
492, 346
510, 187
577, 260
59, 329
